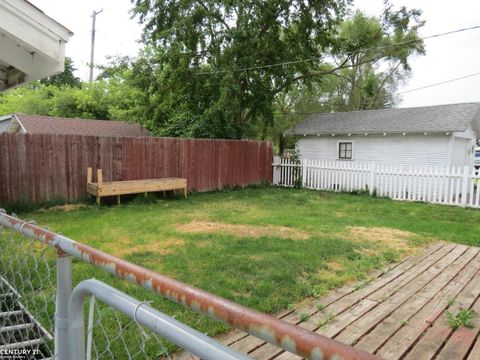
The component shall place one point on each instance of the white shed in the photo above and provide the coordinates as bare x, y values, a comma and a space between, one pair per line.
443, 135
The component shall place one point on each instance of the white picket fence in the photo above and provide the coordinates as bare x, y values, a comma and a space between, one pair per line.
433, 184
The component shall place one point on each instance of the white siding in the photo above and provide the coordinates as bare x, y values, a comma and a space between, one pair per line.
459, 152
462, 148
390, 149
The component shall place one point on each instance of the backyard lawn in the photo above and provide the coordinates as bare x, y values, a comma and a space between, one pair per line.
264, 247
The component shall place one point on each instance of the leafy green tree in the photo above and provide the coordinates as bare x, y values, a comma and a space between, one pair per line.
34, 98
66, 78
199, 47
376, 65
90, 101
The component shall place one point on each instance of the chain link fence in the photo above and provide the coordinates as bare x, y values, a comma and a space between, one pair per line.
27, 294
115, 336
27, 314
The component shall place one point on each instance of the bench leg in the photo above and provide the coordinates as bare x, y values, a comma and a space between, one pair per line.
145, 194
185, 192
118, 199
98, 200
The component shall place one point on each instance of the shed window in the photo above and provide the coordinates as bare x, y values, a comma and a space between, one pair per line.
345, 150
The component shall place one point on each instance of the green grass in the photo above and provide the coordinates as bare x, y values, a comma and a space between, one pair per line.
267, 271
463, 318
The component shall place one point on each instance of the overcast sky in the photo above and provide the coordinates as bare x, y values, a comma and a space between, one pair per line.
447, 57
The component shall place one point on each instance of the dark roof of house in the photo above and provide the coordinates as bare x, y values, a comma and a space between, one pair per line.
35, 124
439, 118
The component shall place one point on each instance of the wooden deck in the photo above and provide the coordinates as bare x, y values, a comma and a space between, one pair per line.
400, 314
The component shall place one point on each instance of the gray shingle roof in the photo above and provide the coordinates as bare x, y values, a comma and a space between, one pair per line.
439, 118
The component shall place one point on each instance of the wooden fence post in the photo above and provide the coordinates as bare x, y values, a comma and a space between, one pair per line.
371, 179
276, 170
99, 184
466, 170
304, 172
89, 175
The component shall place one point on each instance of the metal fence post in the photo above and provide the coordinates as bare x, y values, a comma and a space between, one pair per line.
64, 290
143, 315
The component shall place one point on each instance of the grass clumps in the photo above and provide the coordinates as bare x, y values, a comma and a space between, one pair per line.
463, 318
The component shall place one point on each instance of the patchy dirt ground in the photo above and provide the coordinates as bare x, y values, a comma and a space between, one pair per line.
393, 238
254, 231
125, 246
66, 207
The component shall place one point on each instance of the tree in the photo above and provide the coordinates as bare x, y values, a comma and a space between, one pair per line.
66, 78
90, 101
376, 52
199, 47
62, 95
33, 98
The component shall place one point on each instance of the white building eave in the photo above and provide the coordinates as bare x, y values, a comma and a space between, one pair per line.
33, 44
343, 134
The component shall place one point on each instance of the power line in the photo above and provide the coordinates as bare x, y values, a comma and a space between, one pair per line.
319, 58
440, 83
403, 92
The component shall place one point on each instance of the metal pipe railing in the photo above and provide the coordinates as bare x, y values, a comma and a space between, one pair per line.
178, 333
64, 289
268, 328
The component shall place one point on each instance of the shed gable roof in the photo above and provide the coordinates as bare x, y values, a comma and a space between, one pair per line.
35, 124
439, 118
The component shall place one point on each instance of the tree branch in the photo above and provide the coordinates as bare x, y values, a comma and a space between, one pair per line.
343, 65
219, 18
212, 33
384, 81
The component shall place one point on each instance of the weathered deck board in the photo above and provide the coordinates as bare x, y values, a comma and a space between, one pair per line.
398, 314
355, 331
475, 352
422, 320
439, 332
461, 340
384, 330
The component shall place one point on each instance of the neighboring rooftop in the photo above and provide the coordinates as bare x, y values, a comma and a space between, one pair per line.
35, 124
439, 118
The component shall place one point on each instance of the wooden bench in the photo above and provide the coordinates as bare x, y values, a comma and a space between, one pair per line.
117, 188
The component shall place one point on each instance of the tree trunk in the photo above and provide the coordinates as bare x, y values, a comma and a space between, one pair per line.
281, 144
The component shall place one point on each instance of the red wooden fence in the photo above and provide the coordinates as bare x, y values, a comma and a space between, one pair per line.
41, 167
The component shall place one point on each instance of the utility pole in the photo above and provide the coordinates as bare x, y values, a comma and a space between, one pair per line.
92, 46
